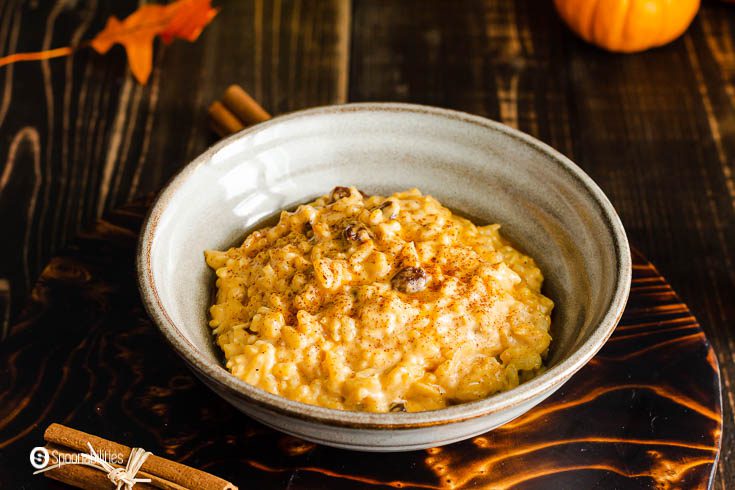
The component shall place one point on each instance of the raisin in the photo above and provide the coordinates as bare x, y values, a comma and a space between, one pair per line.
356, 233
410, 280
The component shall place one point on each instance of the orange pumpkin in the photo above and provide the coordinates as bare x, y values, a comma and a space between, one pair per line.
628, 25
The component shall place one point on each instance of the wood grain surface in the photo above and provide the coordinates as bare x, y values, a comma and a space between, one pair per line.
644, 413
655, 130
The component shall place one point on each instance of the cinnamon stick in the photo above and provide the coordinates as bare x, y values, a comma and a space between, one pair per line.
223, 122
236, 111
164, 473
243, 106
86, 477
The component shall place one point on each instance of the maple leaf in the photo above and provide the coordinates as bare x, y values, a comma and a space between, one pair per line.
182, 19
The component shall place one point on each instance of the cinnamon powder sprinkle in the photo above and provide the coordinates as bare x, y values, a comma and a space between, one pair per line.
371, 303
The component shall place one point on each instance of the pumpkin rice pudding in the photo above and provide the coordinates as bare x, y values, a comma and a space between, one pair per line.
380, 304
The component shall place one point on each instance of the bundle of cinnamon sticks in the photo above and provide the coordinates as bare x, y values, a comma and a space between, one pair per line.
66, 443
235, 111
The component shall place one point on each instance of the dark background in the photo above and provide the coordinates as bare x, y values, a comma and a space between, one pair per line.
656, 130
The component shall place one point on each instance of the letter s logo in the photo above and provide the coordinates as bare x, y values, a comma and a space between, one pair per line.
39, 457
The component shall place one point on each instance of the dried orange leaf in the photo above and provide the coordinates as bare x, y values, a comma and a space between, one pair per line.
143, 24
182, 19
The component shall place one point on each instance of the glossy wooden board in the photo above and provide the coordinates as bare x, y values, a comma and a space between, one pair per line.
644, 413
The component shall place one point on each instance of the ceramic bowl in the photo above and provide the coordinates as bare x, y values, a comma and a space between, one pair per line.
546, 205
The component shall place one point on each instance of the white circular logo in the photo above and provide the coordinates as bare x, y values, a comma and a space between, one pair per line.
39, 457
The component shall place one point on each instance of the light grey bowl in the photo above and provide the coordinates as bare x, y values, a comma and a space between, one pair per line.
547, 206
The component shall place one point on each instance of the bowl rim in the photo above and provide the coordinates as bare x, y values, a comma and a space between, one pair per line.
538, 387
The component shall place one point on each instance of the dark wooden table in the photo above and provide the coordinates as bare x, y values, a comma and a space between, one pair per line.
656, 130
